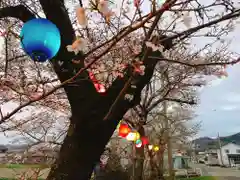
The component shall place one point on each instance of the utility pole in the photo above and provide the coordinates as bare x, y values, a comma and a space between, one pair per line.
195, 152
169, 142
220, 149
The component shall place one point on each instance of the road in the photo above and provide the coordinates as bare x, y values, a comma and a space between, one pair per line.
221, 173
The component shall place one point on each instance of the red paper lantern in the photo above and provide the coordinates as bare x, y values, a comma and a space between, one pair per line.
144, 140
124, 130
99, 87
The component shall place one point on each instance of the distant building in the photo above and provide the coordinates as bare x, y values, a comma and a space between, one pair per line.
211, 157
3, 149
230, 154
36, 154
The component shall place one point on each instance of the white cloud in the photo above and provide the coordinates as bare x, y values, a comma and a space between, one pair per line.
229, 108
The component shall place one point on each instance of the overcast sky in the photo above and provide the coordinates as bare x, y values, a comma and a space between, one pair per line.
219, 109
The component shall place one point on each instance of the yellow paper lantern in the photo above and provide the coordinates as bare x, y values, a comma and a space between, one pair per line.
156, 148
137, 135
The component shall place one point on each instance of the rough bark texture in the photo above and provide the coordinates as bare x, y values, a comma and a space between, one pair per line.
88, 133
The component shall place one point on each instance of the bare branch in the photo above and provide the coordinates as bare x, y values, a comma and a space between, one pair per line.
19, 12
197, 65
190, 102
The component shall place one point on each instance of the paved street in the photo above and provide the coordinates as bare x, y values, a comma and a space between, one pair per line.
221, 173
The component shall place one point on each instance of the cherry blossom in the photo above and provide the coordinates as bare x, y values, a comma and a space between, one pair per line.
187, 20
3, 33
117, 73
81, 16
78, 45
35, 95
103, 6
133, 86
99, 87
128, 97
104, 9
221, 74
154, 47
139, 68
137, 3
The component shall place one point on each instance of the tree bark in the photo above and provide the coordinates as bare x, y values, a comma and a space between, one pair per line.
160, 170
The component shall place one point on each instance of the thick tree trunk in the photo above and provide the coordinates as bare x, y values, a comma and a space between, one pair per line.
87, 136
85, 142
78, 155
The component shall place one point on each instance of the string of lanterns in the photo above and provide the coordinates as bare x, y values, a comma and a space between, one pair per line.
126, 132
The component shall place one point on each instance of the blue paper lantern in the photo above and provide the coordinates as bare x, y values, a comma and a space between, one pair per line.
40, 39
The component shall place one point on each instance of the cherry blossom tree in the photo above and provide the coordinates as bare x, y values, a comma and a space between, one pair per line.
109, 53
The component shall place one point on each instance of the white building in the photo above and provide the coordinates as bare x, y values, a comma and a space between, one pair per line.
230, 154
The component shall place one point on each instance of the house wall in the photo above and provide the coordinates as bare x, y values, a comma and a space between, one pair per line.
232, 149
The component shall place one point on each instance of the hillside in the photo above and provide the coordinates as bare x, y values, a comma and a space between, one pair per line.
204, 143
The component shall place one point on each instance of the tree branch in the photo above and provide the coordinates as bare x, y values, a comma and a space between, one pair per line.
79, 91
139, 81
150, 63
196, 65
19, 12
184, 34
121, 85
191, 102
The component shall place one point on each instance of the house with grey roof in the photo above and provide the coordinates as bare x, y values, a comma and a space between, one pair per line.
229, 154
